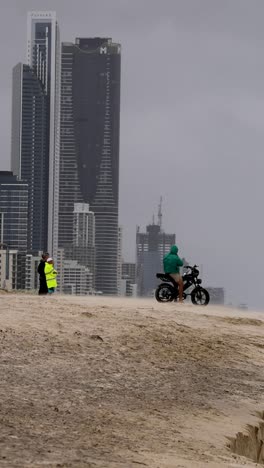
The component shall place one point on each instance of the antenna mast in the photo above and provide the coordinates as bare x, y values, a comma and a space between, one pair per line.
160, 213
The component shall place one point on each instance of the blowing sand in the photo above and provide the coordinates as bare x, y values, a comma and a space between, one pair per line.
98, 382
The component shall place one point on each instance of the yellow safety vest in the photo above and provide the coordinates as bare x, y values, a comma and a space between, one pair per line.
50, 274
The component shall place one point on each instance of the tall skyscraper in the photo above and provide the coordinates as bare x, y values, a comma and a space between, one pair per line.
89, 163
36, 129
44, 59
29, 157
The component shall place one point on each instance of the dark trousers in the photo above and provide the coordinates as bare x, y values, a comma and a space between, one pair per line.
43, 289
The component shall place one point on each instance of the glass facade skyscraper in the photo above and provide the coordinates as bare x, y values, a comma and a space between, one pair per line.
29, 157
44, 58
36, 128
89, 162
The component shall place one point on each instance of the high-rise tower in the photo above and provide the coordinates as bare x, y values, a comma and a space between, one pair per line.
44, 58
89, 162
29, 156
152, 245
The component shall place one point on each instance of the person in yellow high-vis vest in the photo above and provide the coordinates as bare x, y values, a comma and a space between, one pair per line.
50, 274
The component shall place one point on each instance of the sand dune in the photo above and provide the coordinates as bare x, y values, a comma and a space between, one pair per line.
98, 382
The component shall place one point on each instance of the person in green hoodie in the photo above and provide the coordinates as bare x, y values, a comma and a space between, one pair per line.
172, 263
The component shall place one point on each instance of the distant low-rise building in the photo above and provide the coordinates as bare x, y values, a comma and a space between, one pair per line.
14, 220
127, 288
119, 261
129, 270
8, 269
133, 288
128, 279
83, 247
32, 277
78, 279
13, 211
60, 269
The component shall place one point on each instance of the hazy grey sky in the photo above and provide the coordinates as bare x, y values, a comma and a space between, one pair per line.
192, 122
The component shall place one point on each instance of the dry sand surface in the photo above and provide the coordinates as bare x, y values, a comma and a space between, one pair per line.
98, 382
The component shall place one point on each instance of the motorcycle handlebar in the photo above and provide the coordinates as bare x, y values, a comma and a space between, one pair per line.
191, 268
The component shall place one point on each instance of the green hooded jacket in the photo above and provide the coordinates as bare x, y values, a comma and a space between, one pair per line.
172, 262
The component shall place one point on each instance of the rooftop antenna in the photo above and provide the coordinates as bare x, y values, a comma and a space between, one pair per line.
153, 219
160, 213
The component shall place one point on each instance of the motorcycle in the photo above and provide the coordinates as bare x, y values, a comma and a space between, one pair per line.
168, 290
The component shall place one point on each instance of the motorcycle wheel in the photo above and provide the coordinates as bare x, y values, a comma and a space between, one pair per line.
200, 296
164, 293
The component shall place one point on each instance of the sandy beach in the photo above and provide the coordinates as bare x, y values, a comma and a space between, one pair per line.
100, 382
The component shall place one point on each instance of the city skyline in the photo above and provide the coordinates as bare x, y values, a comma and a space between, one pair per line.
65, 144
192, 121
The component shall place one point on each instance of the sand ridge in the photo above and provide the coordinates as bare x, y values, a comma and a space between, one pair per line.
104, 382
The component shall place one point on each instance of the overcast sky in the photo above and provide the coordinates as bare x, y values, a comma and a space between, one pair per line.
192, 122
